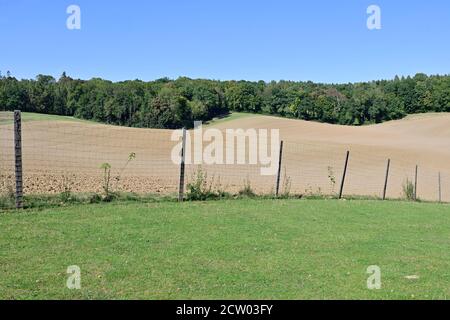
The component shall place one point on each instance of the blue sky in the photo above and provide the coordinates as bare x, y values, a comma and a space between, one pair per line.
321, 40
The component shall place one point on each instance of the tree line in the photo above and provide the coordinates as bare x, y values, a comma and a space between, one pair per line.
166, 103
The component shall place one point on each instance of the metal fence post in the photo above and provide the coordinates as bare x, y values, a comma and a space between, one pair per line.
415, 184
386, 179
440, 189
279, 168
182, 167
18, 158
341, 189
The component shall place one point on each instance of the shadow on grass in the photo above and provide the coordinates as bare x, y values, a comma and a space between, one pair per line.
63, 200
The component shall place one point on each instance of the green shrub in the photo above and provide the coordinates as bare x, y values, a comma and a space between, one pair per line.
201, 189
247, 190
8, 198
408, 190
106, 167
66, 186
286, 186
331, 178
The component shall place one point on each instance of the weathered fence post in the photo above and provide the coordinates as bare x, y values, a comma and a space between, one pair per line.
18, 158
279, 168
386, 179
182, 167
440, 190
415, 184
341, 189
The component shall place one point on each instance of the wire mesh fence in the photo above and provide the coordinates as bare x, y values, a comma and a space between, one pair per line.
70, 155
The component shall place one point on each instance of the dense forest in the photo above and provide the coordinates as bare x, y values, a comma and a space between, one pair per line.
166, 103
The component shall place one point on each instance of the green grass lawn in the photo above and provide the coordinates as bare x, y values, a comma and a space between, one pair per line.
230, 117
236, 249
7, 117
29, 116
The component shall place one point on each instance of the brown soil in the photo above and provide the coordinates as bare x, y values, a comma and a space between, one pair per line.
313, 158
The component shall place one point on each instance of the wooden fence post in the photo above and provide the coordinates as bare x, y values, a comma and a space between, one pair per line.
279, 168
341, 189
182, 167
386, 179
18, 158
415, 184
440, 190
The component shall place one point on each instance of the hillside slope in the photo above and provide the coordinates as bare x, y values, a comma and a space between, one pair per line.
313, 156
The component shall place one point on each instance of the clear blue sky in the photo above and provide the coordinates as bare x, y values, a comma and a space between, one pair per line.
320, 40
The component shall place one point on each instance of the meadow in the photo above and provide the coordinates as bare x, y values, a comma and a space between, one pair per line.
230, 249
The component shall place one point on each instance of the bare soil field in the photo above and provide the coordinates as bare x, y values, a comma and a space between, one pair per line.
63, 154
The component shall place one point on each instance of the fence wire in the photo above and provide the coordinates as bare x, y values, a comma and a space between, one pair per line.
70, 155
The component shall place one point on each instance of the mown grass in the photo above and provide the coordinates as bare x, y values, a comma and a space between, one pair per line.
229, 117
230, 249
7, 117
